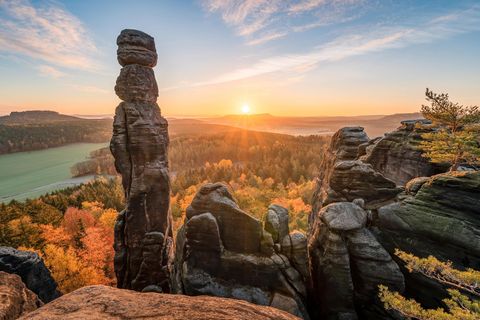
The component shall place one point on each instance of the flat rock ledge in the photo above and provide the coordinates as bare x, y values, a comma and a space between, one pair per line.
102, 302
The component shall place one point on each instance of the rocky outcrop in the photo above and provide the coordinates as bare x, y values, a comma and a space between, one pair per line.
104, 303
343, 177
33, 272
223, 251
348, 264
441, 218
143, 235
15, 298
358, 207
397, 156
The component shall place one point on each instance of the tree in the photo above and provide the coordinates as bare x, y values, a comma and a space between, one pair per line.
460, 306
458, 139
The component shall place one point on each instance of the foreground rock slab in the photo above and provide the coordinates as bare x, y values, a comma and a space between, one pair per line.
102, 302
15, 299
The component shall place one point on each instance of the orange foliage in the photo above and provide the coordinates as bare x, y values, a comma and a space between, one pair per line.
74, 218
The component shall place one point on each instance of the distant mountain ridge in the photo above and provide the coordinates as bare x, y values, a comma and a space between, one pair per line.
375, 125
35, 116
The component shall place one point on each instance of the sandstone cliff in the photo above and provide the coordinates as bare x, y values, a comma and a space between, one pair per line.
361, 213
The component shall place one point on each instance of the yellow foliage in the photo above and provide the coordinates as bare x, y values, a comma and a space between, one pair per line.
68, 270
108, 218
460, 307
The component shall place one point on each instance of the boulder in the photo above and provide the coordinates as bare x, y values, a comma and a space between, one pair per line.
137, 83
136, 47
102, 302
239, 231
30, 267
15, 298
276, 222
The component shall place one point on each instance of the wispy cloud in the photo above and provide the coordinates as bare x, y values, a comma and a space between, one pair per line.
266, 38
46, 32
89, 89
50, 71
305, 5
261, 21
346, 46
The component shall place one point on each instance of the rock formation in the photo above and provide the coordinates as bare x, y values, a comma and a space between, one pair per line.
30, 267
348, 263
15, 298
439, 217
360, 217
104, 303
223, 251
143, 235
397, 155
345, 178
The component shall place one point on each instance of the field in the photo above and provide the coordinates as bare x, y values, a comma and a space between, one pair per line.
30, 174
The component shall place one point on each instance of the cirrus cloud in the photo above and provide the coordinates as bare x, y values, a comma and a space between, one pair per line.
46, 32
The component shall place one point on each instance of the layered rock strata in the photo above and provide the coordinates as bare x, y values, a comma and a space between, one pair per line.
33, 272
397, 154
223, 251
143, 235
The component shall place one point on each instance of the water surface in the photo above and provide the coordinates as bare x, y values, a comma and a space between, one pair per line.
33, 173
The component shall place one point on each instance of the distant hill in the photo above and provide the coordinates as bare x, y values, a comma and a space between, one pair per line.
37, 116
35, 130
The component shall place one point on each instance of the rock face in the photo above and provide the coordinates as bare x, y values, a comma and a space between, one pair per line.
103, 303
360, 217
223, 251
397, 156
33, 272
15, 298
441, 219
143, 235
348, 263
345, 178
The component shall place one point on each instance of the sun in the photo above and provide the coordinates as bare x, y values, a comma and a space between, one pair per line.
245, 109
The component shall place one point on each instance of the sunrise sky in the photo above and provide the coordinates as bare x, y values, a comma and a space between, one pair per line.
284, 57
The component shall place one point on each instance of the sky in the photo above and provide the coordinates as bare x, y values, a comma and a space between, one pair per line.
283, 57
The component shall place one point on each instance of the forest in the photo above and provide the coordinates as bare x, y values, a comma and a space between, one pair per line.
36, 130
72, 229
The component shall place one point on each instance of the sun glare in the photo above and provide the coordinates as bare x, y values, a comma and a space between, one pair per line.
245, 109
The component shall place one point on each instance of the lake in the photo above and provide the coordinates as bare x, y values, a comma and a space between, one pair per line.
30, 174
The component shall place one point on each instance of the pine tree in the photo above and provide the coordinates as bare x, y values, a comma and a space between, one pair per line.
460, 306
458, 138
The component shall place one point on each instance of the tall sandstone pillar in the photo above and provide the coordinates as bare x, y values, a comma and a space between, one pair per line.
143, 233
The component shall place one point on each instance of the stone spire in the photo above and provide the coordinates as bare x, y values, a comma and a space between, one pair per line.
143, 233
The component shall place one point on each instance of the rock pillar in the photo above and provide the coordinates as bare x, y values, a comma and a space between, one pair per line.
143, 234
